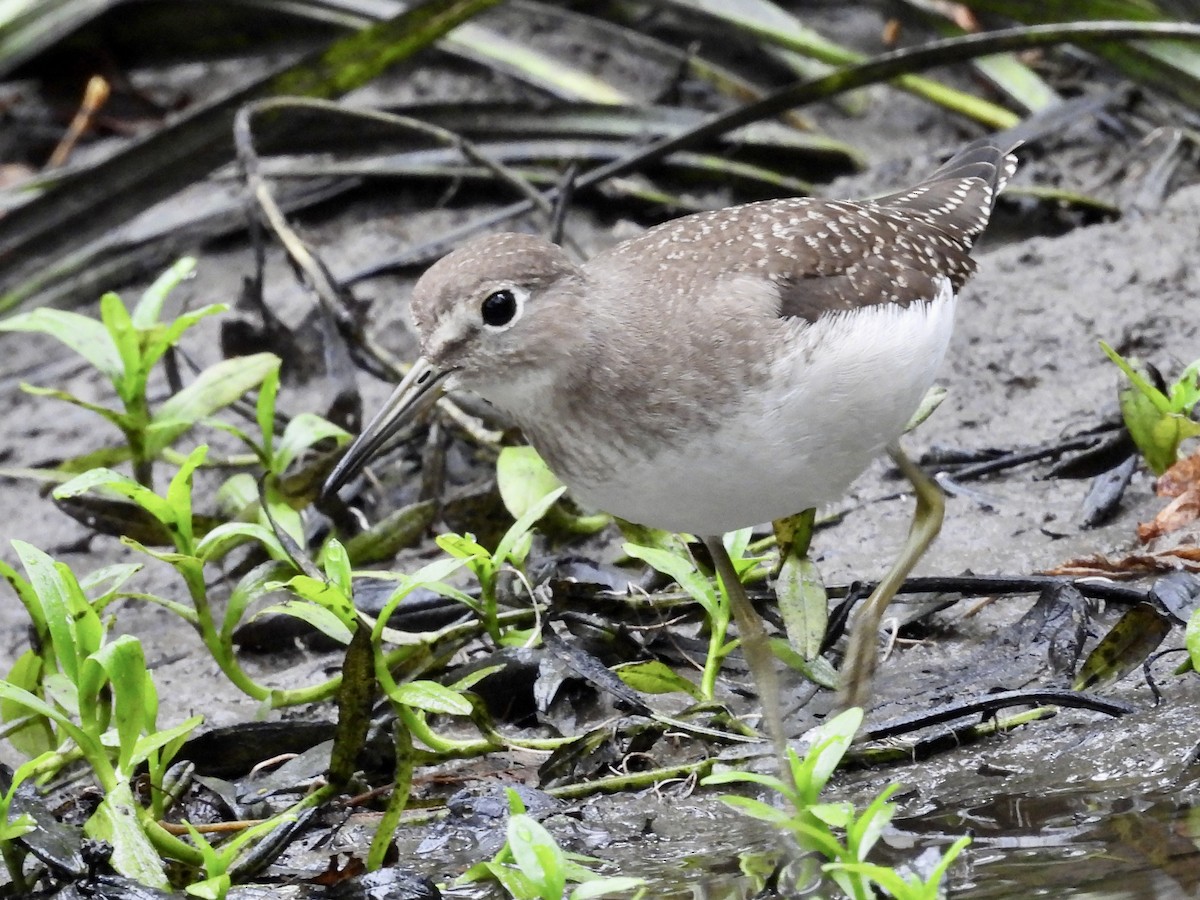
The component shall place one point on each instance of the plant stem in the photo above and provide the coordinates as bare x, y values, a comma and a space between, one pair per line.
401, 790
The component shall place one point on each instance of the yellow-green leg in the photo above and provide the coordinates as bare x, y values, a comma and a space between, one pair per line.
859, 665
756, 647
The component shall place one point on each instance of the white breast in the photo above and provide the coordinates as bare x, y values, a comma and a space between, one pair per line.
846, 387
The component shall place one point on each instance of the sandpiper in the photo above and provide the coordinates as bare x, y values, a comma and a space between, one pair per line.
720, 370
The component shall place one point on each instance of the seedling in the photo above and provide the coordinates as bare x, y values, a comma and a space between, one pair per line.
1158, 422
92, 698
835, 831
286, 494
673, 559
125, 345
531, 865
512, 550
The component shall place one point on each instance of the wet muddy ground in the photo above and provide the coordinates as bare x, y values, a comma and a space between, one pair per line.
1080, 804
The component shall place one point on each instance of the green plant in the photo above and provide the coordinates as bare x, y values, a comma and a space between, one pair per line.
1158, 422
125, 345
190, 554
834, 830
531, 865
89, 697
286, 493
217, 861
672, 558
511, 550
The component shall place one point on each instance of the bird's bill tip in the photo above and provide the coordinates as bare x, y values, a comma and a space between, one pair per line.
420, 387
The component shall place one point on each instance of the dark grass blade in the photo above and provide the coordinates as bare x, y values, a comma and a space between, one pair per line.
41, 25
878, 69
1004, 71
1169, 66
83, 205
778, 30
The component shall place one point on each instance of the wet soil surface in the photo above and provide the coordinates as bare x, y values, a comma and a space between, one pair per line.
1025, 369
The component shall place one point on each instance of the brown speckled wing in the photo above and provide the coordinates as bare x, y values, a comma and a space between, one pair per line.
819, 256
894, 248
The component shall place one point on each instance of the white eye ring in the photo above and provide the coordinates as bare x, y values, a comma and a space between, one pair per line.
501, 308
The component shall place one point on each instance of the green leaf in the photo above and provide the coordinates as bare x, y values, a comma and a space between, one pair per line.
803, 604
523, 479
431, 576
119, 419
1124, 648
131, 380
462, 546
818, 670
834, 814
179, 498
758, 810
868, 827
318, 617
895, 884
104, 582
943, 866
86, 336
159, 338
682, 570
929, 403
516, 805
524, 524
55, 604
1157, 423
1192, 639
302, 432
115, 821
121, 485
265, 413
124, 664
149, 307
254, 584
91, 747
829, 744
655, 677
37, 737
215, 887
1157, 398
737, 776
471, 679
538, 856
159, 739
1185, 393
11, 829
431, 697
223, 538
25, 593
215, 388
516, 883
327, 595
337, 566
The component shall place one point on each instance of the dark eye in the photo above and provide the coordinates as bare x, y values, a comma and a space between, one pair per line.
498, 308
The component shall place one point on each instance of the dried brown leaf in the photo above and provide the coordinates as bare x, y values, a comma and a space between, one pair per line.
1180, 478
1181, 511
1185, 558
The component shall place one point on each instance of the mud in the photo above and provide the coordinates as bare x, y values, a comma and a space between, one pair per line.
1025, 367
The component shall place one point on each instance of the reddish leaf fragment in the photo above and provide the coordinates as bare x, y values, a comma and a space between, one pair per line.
1181, 511
1180, 478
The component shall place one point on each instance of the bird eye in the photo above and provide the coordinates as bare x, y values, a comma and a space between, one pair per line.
499, 308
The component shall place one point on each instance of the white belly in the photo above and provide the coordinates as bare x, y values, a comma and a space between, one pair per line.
798, 446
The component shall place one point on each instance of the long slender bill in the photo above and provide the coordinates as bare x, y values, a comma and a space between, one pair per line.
419, 389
